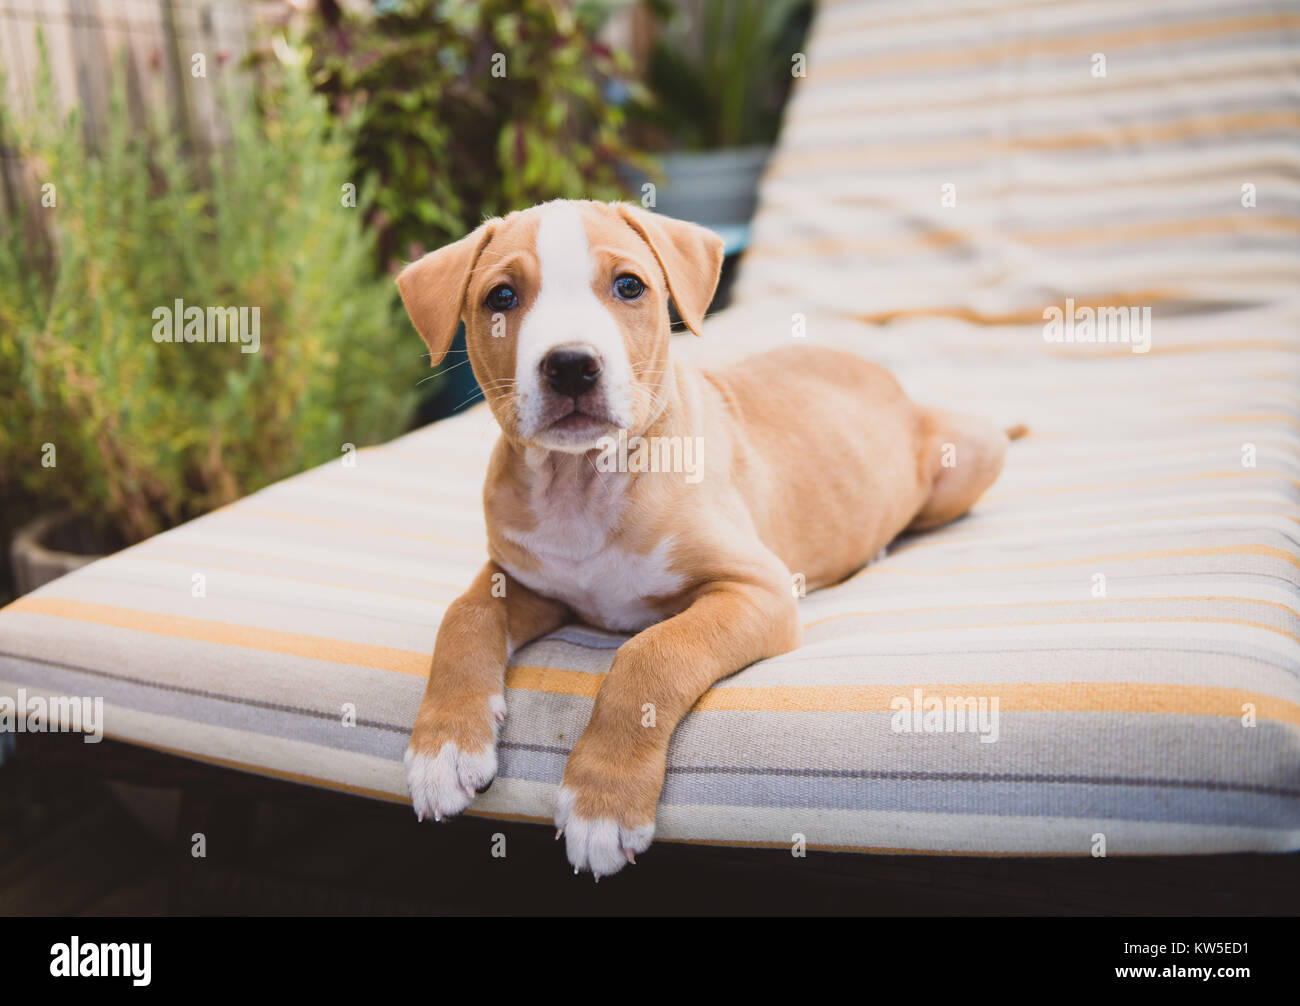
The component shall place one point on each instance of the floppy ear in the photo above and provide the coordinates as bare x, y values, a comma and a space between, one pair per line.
690, 256
433, 289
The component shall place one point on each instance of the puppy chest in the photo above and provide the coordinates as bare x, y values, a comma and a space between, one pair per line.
609, 587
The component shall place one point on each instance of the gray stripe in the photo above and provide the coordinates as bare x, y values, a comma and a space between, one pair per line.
1170, 801
1071, 800
1016, 794
579, 635
385, 740
984, 777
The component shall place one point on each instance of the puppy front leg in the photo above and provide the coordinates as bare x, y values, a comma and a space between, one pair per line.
452, 755
606, 805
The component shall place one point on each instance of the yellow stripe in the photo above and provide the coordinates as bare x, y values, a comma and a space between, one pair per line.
997, 531
1034, 315
561, 681
1080, 696
1169, 553
554, 680
1241, 223
1113, 233
1090, 621
891, 612
862, 67
791, 162
871, 18
1257, 417
297, 644
1269, 72
1133, 483
1018, 316
1074, 696
1085, 350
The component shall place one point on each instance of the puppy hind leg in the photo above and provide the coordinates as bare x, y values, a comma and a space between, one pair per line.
965, 455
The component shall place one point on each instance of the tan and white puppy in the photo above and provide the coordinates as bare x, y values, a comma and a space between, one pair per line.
813, 460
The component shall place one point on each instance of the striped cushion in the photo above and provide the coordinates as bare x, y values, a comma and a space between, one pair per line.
1123, 189
1127, 592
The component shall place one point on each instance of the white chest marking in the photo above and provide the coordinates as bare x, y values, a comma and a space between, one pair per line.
604, 584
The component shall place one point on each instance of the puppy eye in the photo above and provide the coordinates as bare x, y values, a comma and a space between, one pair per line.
501, 298
628, 287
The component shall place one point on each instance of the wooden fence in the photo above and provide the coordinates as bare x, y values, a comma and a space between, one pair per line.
159, 38
163, 44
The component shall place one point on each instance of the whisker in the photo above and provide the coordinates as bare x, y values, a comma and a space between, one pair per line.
448, 370
470, 400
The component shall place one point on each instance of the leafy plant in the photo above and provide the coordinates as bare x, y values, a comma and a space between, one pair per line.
474, 108
720, 70
149, 434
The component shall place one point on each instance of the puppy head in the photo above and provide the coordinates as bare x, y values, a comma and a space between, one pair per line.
566, 314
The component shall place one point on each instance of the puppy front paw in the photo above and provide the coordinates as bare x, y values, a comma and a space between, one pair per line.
450, 760
606, 807
600, 845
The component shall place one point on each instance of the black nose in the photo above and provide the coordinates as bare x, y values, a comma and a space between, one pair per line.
571, 370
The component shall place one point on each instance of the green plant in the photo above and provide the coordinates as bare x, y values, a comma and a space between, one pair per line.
149, 434
474, 108
720, 70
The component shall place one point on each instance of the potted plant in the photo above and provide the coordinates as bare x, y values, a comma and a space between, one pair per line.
113, 432
718, 76
472, 109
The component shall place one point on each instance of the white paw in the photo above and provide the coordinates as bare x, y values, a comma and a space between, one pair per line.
600, 845
444, 784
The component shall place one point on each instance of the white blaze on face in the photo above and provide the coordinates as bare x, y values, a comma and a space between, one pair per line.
566, 311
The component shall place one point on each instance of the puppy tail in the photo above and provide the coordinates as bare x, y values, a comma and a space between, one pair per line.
1017, 431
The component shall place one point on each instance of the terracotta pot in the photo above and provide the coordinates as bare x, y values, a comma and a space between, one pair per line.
51, 545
